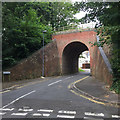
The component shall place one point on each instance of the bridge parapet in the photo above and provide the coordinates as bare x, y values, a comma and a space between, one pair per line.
73, 29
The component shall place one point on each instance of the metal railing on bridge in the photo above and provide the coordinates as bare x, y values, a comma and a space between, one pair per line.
73, 28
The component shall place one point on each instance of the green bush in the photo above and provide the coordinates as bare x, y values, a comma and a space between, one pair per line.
115, 62
80, 70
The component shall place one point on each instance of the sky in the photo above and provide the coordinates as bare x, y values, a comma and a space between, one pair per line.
82, 14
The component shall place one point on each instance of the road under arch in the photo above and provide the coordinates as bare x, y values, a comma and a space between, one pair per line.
70, 57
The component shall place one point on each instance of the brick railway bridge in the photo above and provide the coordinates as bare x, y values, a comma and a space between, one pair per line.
61, 57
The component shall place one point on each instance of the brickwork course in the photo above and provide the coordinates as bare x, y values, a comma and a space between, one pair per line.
61, 57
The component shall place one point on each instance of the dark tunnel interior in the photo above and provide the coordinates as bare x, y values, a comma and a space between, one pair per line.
70, 57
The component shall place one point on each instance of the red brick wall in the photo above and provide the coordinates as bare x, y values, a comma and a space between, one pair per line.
32, 66
99, 68
84, 37
97, 64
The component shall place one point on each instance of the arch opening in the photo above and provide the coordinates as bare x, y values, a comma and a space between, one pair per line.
84, 62
70, 57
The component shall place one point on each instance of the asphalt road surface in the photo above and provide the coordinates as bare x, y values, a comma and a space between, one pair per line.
53, 99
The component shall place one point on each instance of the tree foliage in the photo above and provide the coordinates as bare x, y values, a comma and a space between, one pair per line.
22, 33
24, 23
107, 16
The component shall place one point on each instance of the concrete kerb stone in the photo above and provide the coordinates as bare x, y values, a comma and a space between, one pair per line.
72, 86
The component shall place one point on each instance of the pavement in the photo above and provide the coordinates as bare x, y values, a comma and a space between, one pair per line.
96, 90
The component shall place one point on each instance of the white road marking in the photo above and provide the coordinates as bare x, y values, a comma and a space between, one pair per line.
46, 115
19, 98
90, 118
44, 110
19, 114
67, 112
54, 82
94, 114
25, 107
25, 110
6, 109
67, 78
115, 116
58, 81
2, 113
65, 116
37, 114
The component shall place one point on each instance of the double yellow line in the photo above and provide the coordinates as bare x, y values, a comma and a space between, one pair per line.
90, 99
78, 81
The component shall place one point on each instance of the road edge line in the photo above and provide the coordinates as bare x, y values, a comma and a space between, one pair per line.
90, 97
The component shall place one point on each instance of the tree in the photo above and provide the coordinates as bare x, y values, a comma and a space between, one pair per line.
22, 33
108, 29
56, 14
23, 25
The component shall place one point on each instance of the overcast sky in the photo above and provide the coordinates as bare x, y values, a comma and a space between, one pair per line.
82, 14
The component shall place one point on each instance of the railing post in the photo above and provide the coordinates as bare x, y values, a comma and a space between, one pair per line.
63, 28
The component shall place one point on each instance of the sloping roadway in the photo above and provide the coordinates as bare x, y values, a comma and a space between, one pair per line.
52, 99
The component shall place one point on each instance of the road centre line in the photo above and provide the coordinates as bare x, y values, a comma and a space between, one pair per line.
54, 83
94, 114
23, 86
68, 77
65, 116
19, 98
59, 81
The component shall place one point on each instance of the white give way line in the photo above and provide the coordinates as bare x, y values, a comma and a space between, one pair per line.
18, 98
94, 114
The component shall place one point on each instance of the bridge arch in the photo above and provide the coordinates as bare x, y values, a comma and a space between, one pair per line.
63, 49
70, 56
